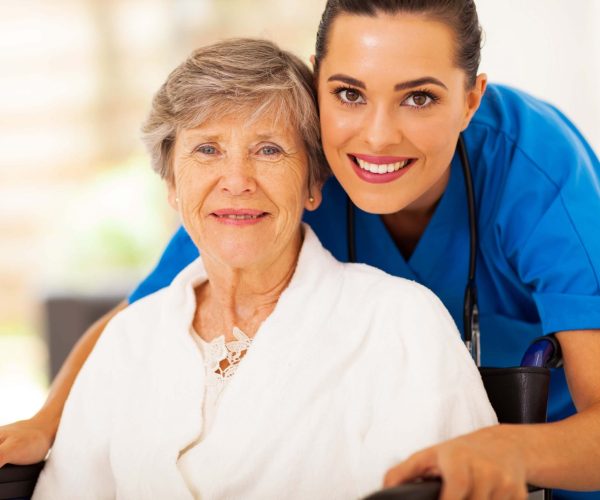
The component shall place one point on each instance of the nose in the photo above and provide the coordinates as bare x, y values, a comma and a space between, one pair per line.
381, 129
238, 177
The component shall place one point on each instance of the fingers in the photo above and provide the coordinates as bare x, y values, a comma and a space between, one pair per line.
418, 465
519, 493
465, 476
507, 487
22, 443
483, 485
497, 487
458, 481
5, 452
3, 437
480, 482
16, 451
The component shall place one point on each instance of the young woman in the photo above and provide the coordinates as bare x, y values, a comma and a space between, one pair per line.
397, 84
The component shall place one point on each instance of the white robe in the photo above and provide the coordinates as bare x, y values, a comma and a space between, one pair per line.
353, 371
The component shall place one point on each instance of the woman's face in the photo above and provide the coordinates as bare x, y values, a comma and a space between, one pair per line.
392, 105
240, 189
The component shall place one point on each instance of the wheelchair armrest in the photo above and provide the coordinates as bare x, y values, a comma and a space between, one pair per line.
18, 481
428, 489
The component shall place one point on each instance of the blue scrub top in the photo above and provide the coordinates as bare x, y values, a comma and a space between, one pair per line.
537, 190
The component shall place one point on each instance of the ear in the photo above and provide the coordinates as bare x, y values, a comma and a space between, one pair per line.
474, 97
172, 195
312, 61
315, 192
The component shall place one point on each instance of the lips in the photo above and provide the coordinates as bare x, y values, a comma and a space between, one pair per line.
239, 216
380, 169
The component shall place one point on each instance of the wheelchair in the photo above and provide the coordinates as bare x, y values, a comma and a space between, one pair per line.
518, 395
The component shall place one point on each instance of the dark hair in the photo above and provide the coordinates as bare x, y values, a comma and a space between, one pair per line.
459, 15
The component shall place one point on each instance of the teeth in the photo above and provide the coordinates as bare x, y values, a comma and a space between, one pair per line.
381, 169
240, 217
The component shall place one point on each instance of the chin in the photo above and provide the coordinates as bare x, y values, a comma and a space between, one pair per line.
240, 256
378, 206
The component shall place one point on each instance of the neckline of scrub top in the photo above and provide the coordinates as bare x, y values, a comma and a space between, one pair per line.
431, 250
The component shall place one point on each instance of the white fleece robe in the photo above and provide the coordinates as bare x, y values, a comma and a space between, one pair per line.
353, 371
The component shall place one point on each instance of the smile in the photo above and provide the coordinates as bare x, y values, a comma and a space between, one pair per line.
380, 169
238, 217
383, 168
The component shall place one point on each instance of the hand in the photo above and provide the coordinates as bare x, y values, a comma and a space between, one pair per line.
486, 464
25, 442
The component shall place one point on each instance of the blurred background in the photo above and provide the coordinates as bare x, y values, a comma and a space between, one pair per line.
82, 216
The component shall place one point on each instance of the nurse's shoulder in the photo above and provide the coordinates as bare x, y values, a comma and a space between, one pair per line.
536, 181
512, 124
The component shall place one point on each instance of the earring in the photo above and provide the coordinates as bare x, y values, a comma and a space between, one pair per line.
311, 199
176, 200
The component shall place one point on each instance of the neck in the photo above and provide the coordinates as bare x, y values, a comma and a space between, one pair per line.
408, 225
241, 297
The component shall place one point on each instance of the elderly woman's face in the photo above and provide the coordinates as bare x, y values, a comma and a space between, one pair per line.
240, 189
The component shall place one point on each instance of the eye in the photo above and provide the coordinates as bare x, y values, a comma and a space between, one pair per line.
270, 150
207, 149
348, 95
420, 100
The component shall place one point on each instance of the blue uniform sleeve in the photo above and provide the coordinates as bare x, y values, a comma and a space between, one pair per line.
549, 225
179, 253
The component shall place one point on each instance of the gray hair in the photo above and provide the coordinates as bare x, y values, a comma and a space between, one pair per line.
240, 75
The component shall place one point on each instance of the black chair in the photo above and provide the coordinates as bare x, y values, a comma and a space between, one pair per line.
18, 481
518, 395
67, 317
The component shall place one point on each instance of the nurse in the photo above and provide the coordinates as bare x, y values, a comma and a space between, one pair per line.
397, 84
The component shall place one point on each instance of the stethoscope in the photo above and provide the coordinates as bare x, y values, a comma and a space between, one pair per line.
470, 309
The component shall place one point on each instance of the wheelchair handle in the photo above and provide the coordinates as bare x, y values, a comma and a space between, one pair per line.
427, 489
544, 352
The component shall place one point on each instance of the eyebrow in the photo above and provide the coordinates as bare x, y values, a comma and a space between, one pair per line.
198, 136
195, 135
268, 136
418, 82
399, 86
347, 79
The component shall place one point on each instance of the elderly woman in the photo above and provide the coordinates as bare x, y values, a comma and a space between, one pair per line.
267, 368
